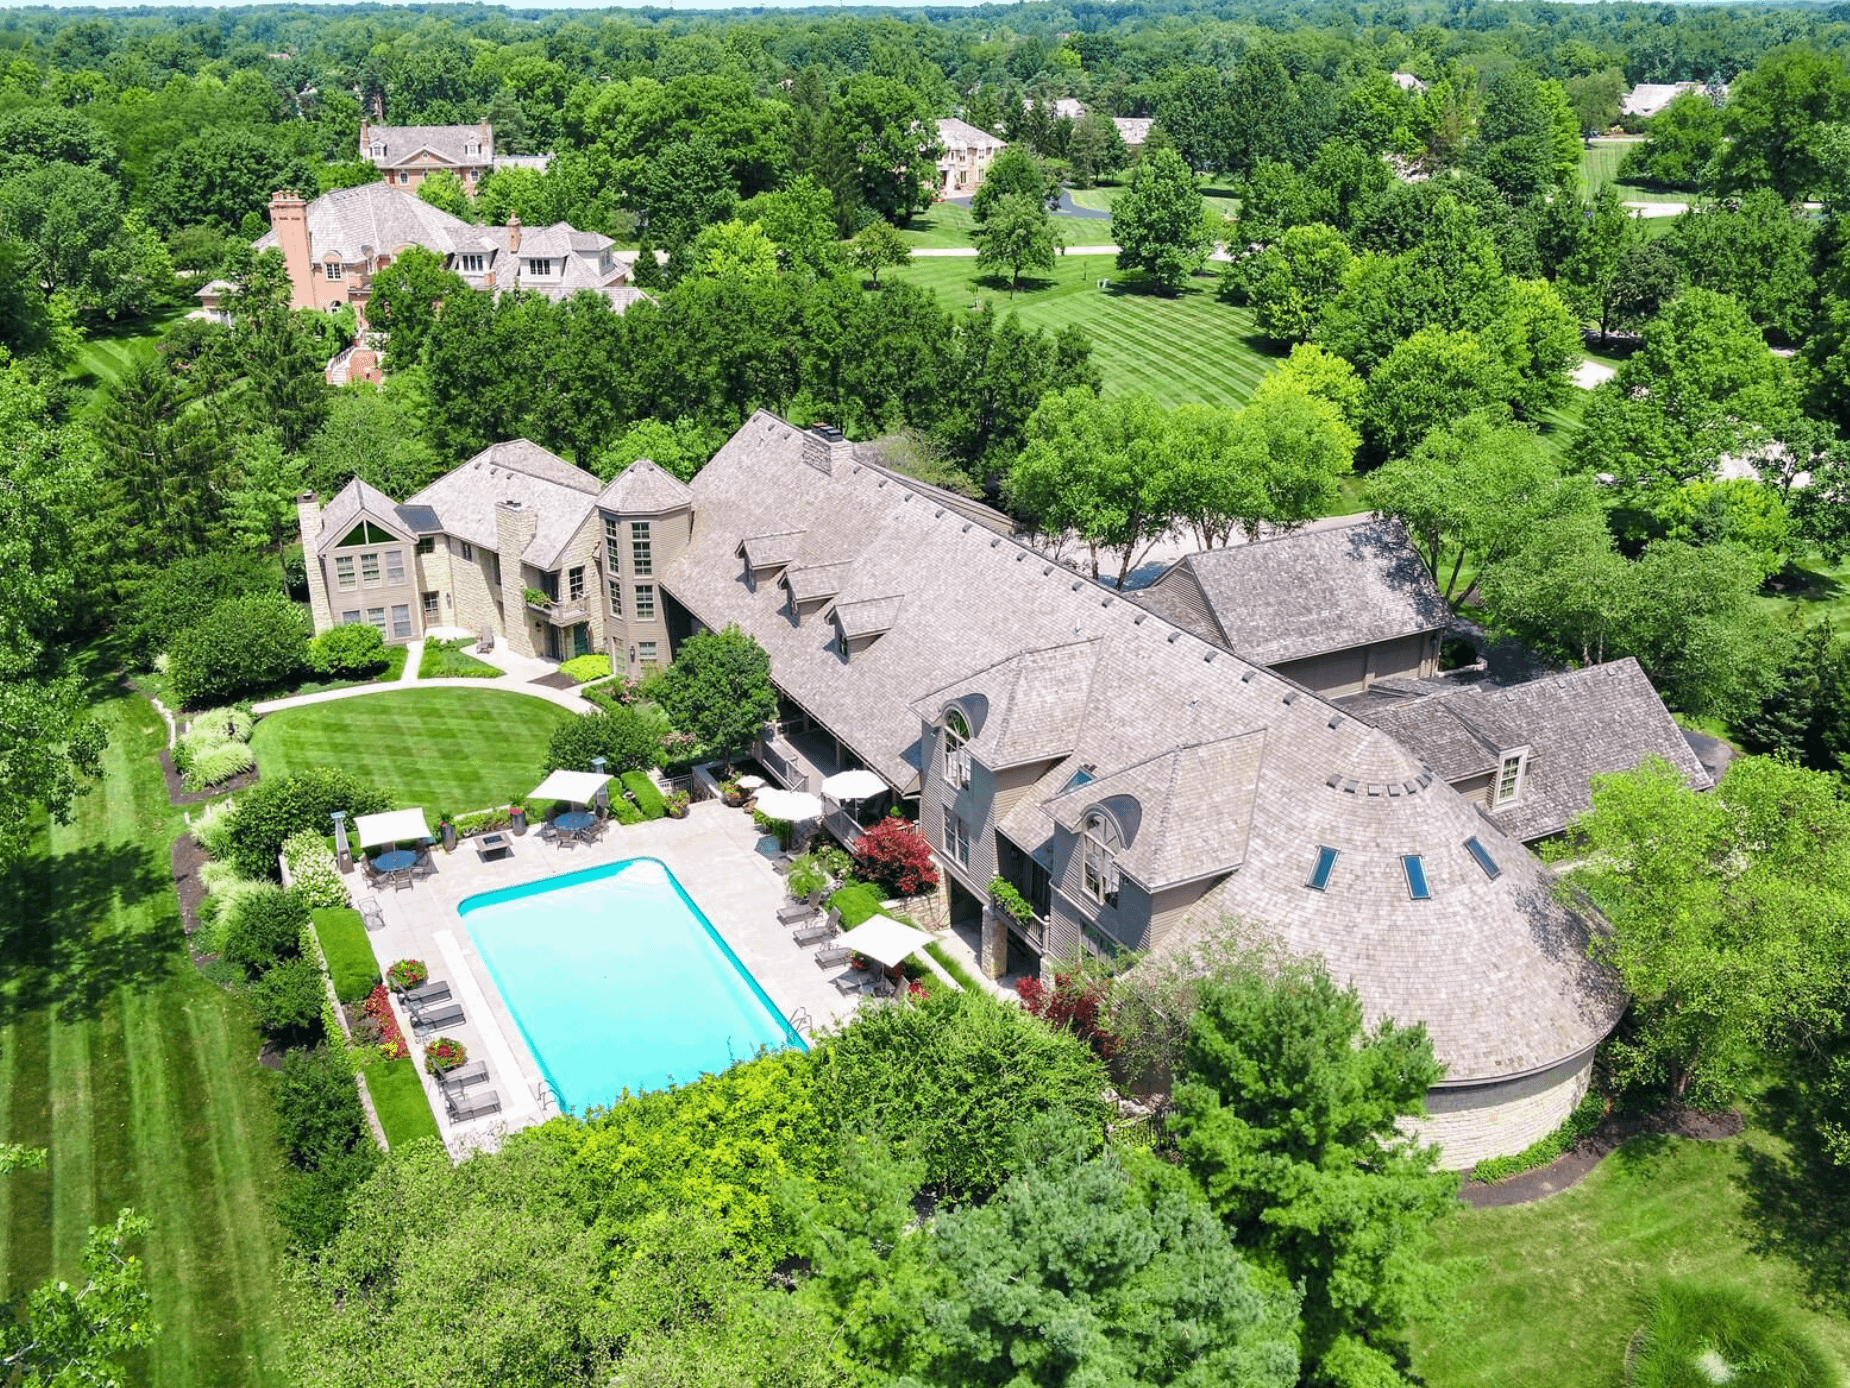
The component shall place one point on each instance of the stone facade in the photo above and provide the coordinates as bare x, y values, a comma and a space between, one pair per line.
1472, 1123
638, 547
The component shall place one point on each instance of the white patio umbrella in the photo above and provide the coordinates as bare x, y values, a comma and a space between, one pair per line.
882, 938
791, 806
393, 826
844, 786
579, 787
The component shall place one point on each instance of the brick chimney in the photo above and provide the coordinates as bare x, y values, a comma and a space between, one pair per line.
289, 220
513, 236
308, 522
366, 144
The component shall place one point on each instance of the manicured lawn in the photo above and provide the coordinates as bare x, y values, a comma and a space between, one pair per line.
102, 360
454, 750
348, 952
946, 224
1191, 347
446, 660
140, 1077
1813, 590
1554, 1290
398, 1095
1599, 165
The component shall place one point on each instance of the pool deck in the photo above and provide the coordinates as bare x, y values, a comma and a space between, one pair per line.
720, 860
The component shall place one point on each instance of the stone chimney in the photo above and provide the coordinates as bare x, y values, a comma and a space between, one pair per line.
289, 220
515, 526
308, 522
513, 236
366, 144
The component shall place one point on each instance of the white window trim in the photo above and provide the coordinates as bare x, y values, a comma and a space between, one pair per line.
1098, 858
642, 550
346, 575
645, 612
956, 748
1512, 767
395, 564
377, 570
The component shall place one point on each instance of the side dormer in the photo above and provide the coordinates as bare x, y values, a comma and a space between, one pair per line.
859, 624
767, 556
811, 587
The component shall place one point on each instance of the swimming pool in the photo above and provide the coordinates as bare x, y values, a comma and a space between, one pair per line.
617, 981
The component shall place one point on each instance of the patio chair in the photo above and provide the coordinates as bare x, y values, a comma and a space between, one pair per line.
466, 1106
449, 1015
798, 910
833, 955
437, 990
813, 933
425, 866
454, 1081
401, 880
371, 914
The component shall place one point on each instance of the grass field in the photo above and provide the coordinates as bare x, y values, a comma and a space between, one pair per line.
1811, 591
102, 360
1599, 165
140, 1077
398, 1095
1192, 347
455, 750
349, 954
1555, 1289
946, 224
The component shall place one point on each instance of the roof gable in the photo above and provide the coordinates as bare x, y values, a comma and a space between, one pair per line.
645, 487
1032, 704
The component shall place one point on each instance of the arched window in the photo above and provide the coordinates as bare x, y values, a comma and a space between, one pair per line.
1099, 845
956, 751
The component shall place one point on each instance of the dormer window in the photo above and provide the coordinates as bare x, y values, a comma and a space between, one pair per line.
1509, 776
1098, 849
473, 263
956, 751
539, 267
378, 150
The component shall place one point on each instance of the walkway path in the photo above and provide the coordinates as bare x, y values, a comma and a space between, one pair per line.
1569, 1170
1069, 208
521, 670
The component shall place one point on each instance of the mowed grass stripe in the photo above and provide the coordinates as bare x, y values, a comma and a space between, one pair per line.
455, 750
28, 1194
73, 1112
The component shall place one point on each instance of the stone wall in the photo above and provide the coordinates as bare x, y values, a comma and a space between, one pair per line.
1472, 1123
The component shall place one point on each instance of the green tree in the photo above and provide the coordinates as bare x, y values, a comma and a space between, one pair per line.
1724, 911
66, 214
1472, 493
1756, 250
1102, 467
872, 137
1432, 379
1680, 146
157, 493
1013, 173
681, 189
1528, 136
1771, 116
243, 644
1321, 373
623, 737
376, 435
1018, 235
81, 1332
719, 689
1097, 148
735, 250
1597, 98
32, 137
132, 274
1288, 1113
876, 247
1159, 222
221, 176
1291, 281
444, 191
680, 447
800, 219
1540, 343
407, 296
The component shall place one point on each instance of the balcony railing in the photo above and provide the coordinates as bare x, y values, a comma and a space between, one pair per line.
562, 612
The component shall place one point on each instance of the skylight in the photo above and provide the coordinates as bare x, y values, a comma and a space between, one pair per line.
1081, 777
1320, 874
1484, 860
1415, 868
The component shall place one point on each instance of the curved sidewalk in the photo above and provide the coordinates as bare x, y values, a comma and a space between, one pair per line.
564, 698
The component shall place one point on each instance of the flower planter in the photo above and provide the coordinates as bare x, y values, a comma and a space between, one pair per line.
519, 817
444, 1054
407, 974
449, 837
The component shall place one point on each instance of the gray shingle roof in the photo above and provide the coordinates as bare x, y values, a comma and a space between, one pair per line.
1306, 593
346, 506
1134, 130
1576, 725
449, 143
558, 494
956, 134
1497, 969
376, 219
645, 487
1024, 709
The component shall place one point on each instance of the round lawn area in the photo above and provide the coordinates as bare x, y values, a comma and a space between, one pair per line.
454, 750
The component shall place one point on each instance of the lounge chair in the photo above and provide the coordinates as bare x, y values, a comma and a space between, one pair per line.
437, 990
799, 910
813, 933
371, 915
466, 1106
850, 982
463, 1076
425, 866
450, 1014
833, 955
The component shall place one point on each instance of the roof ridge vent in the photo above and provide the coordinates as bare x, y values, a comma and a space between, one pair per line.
1291, 696
1247, 678
1338, 721
1174, 637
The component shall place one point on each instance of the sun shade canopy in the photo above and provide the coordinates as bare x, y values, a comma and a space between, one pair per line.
884, 939
791, 806
852, 785
580, 787
394, 826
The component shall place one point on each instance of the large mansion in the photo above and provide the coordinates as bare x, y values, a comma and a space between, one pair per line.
406, 155
1215, 754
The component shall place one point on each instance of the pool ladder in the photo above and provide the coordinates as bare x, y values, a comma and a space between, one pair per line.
544, 1097
801, 1021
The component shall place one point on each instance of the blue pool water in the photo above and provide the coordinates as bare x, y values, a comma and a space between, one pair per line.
618, 981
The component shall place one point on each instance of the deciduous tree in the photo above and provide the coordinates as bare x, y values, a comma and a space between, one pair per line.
876, 247
1159, 222
1018, 235
1294, 278
719, 689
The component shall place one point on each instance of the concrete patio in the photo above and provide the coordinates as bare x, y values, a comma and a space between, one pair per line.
714, 852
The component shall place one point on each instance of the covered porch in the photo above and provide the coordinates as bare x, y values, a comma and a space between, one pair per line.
799, 753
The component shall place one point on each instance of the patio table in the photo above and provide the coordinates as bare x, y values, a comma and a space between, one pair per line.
575, 822
396, 861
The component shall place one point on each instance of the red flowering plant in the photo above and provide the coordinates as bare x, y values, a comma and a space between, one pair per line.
444, 1054
378, 1011
407, 974
895, 857
1077, 1003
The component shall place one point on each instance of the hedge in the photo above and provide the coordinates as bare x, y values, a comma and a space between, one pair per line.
648, 798
398, 1095
348, 952
581, 668
249, 643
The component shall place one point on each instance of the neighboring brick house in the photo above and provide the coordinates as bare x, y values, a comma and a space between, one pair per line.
1333, 609
516, 542
966, 156
1144, 785
406, 155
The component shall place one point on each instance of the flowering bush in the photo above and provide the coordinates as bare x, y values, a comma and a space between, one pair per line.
378, 1011
407, 974
443, 1055
312, 869
1075, 1003
895, 856
676, 803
